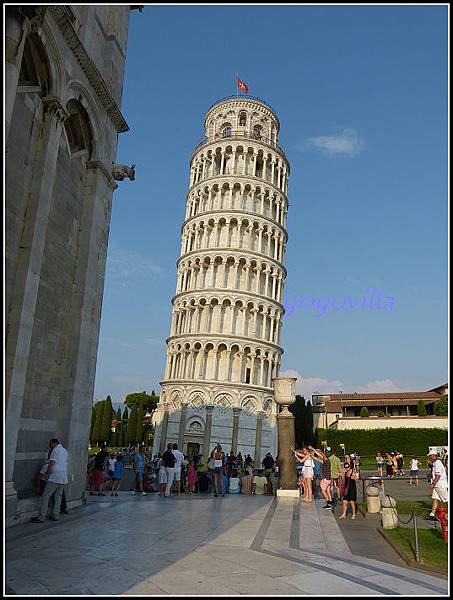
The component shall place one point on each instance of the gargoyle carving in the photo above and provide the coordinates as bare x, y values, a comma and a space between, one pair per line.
119, 172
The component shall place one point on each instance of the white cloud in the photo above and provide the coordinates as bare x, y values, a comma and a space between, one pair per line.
347, 142
110, 340
306, 386
124, 265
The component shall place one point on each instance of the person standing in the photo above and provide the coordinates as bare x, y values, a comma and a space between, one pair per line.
117, 475
335, 471
56, 478
304, 457
268, 464
168, 462
326, 478
218, 455
99, 475
400, 463
414, 469
350, 491
380, 464
179, 456
139, 467
191, 477
439, 484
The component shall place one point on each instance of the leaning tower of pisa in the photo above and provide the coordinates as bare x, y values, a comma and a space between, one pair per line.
224, 344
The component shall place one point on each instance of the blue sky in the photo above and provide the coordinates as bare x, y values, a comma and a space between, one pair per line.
361, 93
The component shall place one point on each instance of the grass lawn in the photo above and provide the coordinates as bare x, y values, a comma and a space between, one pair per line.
433, 549
405, 507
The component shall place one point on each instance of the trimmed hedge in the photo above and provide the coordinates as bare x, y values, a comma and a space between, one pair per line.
369, 441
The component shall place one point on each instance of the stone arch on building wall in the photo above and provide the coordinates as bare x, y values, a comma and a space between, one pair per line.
195, 425
76, 91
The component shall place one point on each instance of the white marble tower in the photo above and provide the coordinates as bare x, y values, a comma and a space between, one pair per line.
224, 345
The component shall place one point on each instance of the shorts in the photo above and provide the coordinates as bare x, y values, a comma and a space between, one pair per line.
336, 481
379, 465
217, 470
138, 476
110, 473
177, 473
325, 484
414, 473
116, 478
307, 472
98, 476
440, 493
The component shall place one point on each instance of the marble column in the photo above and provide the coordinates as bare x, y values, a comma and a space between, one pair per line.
182, 427
163, 433
26, 285
284, 389
207, 432
259, 432
234, 439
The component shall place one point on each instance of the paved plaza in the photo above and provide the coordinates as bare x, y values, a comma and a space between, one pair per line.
199, 545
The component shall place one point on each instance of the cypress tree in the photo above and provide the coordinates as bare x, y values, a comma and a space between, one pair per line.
300, 429
125, 415
118, 414
106, 426
441, 407
139, 430
421, 409
132, 426
364, 412
94, 409
97, 429
310, 425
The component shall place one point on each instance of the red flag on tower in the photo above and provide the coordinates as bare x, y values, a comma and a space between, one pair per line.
243, 86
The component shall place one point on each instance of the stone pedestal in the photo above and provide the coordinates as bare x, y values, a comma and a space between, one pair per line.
284, 388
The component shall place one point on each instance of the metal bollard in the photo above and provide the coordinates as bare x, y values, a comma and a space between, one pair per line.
443, 523
417, 553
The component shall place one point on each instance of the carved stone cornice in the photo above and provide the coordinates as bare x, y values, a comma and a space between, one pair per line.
53, 106
98, 164
62, 17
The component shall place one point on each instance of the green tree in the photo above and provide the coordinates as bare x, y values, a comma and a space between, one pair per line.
94, 410
421, 409
125, 414
298, 409
140, 418
106, 426
118, 414
441, 407
97, 429
149, 401
364, 412
311, 438
131, 429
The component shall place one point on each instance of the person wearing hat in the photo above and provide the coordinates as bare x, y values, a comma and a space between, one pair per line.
439, 484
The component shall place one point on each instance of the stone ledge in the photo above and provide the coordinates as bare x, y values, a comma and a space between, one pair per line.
288, 493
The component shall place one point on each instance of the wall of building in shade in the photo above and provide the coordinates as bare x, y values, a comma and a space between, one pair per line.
224, 345
64, 76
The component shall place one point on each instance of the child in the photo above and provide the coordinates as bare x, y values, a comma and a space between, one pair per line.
117, 474
191, 477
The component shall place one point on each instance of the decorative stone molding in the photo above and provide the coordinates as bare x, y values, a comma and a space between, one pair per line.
98, 164
63, 19
53, 106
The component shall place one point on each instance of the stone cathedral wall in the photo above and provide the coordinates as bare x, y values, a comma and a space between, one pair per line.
65, 70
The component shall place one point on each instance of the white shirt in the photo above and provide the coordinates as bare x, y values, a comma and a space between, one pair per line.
179, 458
414, 464
111, 463
439, 469
60, 469
309, 463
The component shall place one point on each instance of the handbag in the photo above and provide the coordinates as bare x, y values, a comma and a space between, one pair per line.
355, 476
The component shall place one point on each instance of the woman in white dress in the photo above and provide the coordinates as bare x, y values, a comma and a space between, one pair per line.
306, 459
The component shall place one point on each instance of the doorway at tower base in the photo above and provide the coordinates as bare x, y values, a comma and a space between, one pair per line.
240, 420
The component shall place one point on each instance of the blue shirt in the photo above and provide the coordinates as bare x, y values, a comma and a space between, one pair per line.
139, 462
117, 473
317, 469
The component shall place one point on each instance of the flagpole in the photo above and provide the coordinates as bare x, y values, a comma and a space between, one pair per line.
237, 88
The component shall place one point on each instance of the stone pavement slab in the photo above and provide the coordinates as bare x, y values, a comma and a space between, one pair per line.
199, 545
